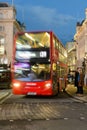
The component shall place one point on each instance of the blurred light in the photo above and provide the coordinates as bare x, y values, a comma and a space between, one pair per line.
41, 44
47, 34
27, 35
17, 85
48, 85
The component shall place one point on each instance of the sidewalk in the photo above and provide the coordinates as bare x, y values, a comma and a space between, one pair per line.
71, 90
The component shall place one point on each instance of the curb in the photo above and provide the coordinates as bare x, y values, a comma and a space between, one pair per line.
82, 98
71, 91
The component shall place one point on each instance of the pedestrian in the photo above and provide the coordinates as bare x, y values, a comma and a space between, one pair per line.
80, 82
76, 79
85, 80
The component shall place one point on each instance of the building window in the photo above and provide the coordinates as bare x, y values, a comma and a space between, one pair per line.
2, 40
2, 43
1, 15
2, 28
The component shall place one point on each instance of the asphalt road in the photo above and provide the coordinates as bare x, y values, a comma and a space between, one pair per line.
43, 113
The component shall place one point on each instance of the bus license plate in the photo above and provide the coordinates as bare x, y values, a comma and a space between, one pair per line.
31, 93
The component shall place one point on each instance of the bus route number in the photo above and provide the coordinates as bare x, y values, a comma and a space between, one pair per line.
43, 54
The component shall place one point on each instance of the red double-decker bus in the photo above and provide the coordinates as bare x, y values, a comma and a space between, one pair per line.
39, 64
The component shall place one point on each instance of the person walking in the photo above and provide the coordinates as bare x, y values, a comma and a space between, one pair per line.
76, 79
80, 82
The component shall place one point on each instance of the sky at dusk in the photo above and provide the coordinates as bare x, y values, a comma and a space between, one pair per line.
60, 16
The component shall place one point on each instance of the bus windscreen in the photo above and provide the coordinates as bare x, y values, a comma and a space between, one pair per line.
32, 57
31, 72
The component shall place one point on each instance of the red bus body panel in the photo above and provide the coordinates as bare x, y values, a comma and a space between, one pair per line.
32, 88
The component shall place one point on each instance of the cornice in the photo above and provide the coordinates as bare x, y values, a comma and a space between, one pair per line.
82, 27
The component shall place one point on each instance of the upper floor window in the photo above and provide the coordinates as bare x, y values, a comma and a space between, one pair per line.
2, 40
1, 15
2, 28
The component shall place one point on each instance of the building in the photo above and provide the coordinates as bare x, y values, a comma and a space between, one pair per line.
81, 39
8, 27
71, 58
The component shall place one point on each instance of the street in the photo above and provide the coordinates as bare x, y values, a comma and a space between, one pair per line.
43, 51
43, 113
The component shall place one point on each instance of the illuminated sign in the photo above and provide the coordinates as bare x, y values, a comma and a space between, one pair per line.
43, 54
31, 54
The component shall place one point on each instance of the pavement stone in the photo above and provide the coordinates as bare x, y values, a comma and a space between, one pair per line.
3, 94
71, 90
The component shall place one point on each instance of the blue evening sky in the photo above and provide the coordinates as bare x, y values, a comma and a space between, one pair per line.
60, 16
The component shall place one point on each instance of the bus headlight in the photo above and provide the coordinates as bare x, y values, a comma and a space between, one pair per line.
17, 85
48, 85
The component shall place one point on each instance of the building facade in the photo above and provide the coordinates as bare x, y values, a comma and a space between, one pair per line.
71, 59
8, 27
81, 41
